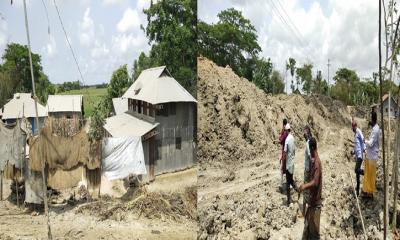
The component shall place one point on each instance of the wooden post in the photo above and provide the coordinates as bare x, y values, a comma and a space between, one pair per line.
1, 185
383, 128
396, 170
16, 188
46, 208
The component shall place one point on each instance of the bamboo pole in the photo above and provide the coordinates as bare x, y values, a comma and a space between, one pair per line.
383, 129
46, 207
395, 166
358, 204
1, 185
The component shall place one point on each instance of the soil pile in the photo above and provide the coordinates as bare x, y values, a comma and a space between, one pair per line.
238, 120
174, 206
239, 171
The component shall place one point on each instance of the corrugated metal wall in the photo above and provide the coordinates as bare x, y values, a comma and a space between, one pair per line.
178, 125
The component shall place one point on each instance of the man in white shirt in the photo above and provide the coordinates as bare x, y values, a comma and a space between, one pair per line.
289, 153
372, 153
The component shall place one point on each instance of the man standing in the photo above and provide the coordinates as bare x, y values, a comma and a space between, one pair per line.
282, 160
313, 213
289, 153
372, 152
358, 153
307, 163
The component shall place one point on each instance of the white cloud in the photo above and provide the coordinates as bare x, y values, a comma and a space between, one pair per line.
129, 21
3, 35
114, 2
128, 43
51, 47
99, 50
344, 31
86, 26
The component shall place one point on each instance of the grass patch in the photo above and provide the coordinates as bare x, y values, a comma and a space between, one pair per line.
91, 97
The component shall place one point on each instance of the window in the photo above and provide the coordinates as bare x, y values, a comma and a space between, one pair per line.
69, 116
386, 109
178, 143
163, 111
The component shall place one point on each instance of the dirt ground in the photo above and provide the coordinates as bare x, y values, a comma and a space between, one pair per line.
239, 177
159, 210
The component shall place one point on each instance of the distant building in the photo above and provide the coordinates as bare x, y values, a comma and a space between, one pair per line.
392, 112
164, 114
65, 113
23, 105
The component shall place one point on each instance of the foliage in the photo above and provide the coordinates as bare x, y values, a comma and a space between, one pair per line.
320, 86
119, 82
91, 97
304, 77
262, 73
231, 41
171, 31
68, 86
291, 65
15, 74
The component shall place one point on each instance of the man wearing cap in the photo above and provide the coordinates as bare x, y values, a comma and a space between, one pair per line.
372, 152
289, 153
313, 212
358, 152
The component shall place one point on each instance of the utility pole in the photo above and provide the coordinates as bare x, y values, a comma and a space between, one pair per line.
329, 64
46, 207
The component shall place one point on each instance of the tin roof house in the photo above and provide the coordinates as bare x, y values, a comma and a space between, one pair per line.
392, 112
23, 105
164, 114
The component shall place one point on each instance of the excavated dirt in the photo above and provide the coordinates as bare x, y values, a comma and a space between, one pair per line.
239, 168
159, 210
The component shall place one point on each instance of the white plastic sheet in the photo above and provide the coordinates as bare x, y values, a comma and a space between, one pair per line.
122, 157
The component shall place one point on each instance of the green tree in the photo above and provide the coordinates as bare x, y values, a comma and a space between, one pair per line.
119, 82
142, 63
15, 74
278, 85
304, 76
262, 74
291, 65
171, 31
231, 41
16, 63
347, 83
320, 85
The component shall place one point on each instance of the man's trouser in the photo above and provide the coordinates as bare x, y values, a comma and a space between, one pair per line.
369, 176
289, 181
358, 172
305, 192
311, 223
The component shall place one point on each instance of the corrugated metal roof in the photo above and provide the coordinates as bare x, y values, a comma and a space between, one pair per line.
22, 105
120, 105
155, 86
125, 125
64, 103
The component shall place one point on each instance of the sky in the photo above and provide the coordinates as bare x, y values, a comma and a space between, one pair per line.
104, 34
346, 32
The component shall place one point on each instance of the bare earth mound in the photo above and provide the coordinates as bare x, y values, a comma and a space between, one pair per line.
239, 177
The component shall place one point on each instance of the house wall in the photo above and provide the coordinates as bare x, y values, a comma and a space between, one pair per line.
392, 112
177, 122
65, 123
32, 121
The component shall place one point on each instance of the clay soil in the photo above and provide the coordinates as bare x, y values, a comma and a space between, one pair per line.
159, 210
239, 168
